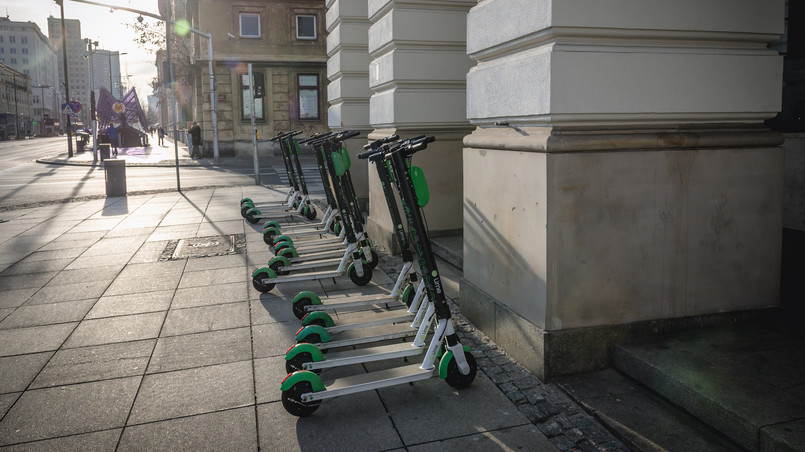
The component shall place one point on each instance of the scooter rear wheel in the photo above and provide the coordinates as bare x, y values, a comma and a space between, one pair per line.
309, 212
454, 376
292, 400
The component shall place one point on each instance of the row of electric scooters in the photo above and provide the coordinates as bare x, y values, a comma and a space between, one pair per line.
412, 320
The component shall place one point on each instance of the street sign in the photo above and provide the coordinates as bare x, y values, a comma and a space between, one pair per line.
75, 106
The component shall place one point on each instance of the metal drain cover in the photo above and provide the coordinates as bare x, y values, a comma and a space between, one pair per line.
217, 245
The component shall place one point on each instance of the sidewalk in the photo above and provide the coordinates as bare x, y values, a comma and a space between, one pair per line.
108, 341
154, 155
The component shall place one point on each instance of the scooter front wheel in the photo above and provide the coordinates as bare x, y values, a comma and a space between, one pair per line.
299, 307
295, 363
309, 212
360, 280
257, 282
454, 376
292, 400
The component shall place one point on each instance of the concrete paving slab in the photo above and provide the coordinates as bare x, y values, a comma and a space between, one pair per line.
68, 410
108, 264
432, 410
173, 232
526, 437
216, 262
105, 440
788, 436
149, 270
210, 294
136, 303
214, 277
115, 245
234, 430
35, 315
349, 423
7, 400
103, 224
16, 297
116, 329
193, 391
66, 253
34, 339
100, 273
95, 363
32, 267
221, 227
68, 292
206, 318
268, 374
153, 283
149, 252
201, 349
273, 339
271, 310
17, 372
129, 229
5, 312
12, 282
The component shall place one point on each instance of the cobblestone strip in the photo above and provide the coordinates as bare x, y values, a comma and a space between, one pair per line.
558, 417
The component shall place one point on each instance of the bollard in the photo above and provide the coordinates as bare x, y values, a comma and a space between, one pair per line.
103, 149
115, 171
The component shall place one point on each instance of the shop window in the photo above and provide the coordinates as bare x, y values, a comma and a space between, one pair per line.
308, 96
305, 27
259, 93
249, 25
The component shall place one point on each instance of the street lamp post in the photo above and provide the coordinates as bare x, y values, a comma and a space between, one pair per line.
66, 78
118, 69
93, 118
42, 101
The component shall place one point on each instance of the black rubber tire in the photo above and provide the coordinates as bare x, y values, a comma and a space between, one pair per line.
455, 379
268, 239
258, 284
299, 307
310, 339
252, 218
375, 259
360, 280
291, 400
310, 212
276, 267
294, 364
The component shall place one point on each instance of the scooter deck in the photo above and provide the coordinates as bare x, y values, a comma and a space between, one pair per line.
365, 355
369, 335
387, 317
304, 277
374, 380
316, 256
296, 266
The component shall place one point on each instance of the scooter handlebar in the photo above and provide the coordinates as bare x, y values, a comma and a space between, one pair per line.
377, 143
318, 136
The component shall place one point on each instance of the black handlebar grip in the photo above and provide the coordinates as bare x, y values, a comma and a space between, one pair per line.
348, 134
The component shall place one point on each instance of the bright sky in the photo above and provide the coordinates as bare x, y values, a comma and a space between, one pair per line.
100, 25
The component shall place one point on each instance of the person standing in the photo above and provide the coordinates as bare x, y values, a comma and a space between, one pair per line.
195, 136
161, 135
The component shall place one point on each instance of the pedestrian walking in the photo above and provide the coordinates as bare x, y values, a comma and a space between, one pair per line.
113, 137
161, 135
195, 136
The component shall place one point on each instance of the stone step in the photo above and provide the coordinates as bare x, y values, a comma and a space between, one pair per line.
450, 248
746, 381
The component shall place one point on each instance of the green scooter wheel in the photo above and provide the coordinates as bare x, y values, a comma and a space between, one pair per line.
245, 200
295, 363
309, 212
251, 216
299, 307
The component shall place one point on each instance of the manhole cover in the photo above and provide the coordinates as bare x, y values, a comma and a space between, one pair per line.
218, 245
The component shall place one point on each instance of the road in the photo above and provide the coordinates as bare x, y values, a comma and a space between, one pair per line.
23, 181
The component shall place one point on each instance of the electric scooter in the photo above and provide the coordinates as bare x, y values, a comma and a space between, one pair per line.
264, 279
303, 391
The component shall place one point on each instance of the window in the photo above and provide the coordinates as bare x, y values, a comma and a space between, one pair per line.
24, 39
1, 38
249, 25
13, 50
25, 51
305, 27
25, 61
13, 61
308, 96
12, 39
246, 101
